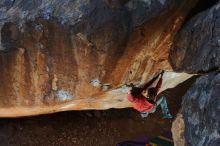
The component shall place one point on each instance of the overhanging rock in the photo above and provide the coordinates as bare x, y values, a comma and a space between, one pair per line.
115, 98
73, 55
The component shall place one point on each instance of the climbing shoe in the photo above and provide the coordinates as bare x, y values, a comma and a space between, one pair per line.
144, 114
168, 116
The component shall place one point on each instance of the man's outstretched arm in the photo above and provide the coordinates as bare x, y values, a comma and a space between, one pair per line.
159, 83
150, 82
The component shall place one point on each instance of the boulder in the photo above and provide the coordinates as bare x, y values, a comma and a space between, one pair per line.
198, 121
196, 48
74, 55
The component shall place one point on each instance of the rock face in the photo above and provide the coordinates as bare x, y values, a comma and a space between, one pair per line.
69, 55
197, 46
196, 49
178, 128
200, 113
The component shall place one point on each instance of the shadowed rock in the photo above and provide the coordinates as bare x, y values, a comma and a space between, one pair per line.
197, 46
198, 121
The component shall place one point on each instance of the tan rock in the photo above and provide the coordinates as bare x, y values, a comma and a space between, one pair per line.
75, 59
178, 128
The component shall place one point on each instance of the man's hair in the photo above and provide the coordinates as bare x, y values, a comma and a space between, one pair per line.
135, 91
152, 92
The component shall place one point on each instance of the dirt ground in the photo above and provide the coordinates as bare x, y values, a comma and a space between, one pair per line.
89, 128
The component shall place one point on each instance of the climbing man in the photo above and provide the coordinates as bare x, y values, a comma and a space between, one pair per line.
145, 100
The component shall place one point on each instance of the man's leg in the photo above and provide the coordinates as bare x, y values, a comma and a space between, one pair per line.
163, 104
153, 110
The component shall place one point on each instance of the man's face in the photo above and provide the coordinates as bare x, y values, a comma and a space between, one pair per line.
144, 93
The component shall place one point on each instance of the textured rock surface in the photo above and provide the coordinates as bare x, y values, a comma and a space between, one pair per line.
69, 55
197, 45
200, 111
196, 49
178, 128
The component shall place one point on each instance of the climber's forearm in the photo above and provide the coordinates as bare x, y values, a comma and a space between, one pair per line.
150, 82
159, 83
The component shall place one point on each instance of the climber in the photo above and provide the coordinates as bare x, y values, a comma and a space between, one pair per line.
145, 100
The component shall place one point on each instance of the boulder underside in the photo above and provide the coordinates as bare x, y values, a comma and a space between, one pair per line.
74, 55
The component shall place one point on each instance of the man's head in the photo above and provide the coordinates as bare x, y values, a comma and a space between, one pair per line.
152, 92
135, 91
